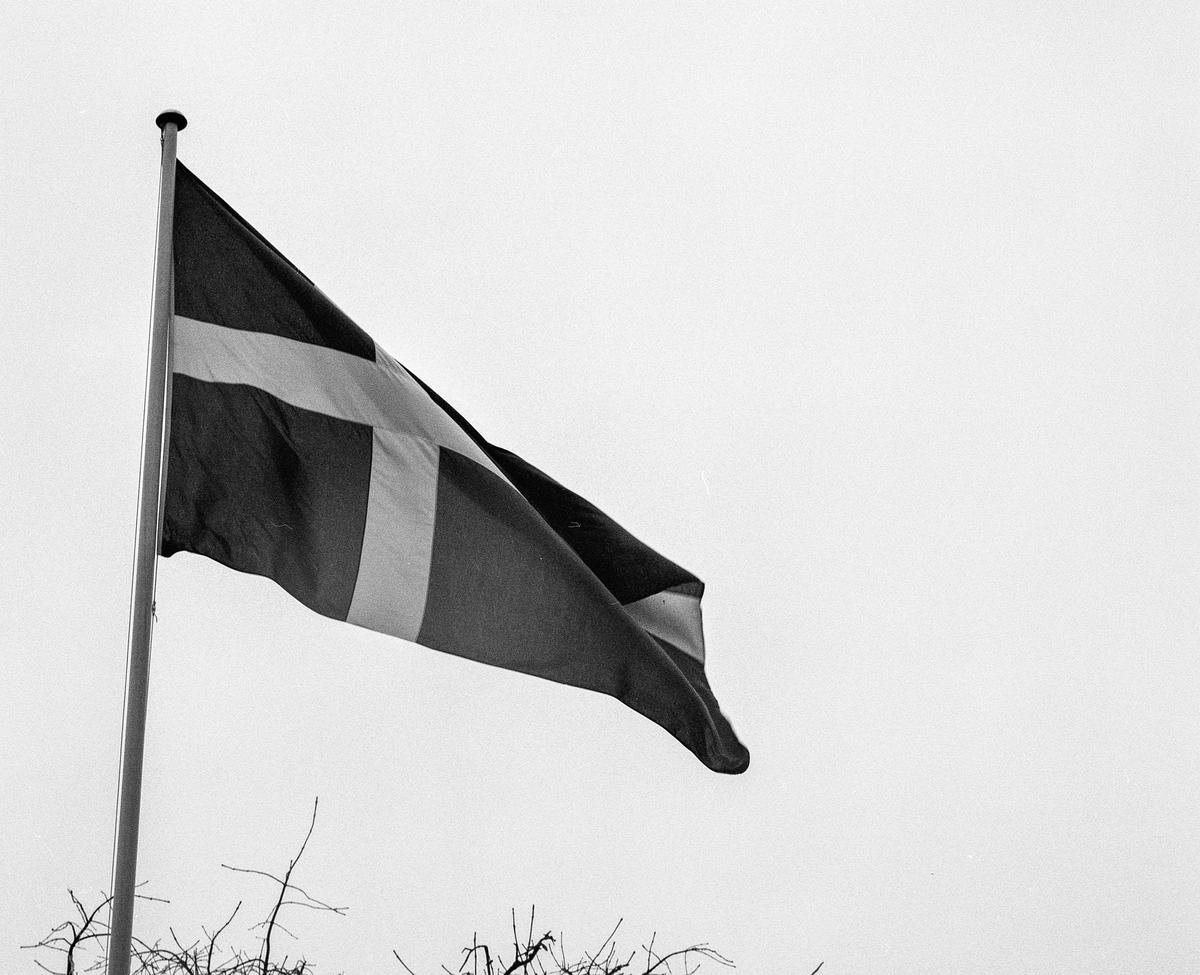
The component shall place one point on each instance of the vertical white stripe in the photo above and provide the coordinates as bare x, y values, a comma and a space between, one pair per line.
393, 573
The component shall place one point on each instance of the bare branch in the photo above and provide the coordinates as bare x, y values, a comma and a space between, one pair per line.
266, 955
702, 949
212, 941
592, 958
401, 960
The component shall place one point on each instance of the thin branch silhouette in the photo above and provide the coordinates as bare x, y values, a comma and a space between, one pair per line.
76, 946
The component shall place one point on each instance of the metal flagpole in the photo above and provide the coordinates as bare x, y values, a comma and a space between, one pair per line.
156, 432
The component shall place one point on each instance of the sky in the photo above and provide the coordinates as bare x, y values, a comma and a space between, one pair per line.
880, 318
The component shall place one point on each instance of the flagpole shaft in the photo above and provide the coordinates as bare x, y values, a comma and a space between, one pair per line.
156, 436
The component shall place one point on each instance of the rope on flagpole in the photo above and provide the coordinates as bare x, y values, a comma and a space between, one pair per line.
156, 423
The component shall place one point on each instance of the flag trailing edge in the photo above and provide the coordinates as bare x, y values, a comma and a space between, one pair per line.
301, 451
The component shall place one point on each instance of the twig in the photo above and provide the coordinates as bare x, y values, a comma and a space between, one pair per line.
266, 957
401, 960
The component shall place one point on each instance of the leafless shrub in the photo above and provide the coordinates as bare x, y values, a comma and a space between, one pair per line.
76, 946
547, 955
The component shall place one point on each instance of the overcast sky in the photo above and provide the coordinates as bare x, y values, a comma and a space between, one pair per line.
881, 318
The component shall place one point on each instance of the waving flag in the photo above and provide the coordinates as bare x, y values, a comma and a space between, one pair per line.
303, 452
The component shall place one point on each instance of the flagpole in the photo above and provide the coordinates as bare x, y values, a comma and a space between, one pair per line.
156, 431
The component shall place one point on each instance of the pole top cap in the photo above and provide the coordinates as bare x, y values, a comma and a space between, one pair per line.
170, 115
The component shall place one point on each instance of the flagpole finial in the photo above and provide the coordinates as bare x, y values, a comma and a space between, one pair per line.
170, 115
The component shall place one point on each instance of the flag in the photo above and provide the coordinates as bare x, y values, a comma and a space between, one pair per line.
301, 451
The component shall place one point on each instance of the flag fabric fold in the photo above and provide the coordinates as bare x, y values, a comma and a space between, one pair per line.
303, 452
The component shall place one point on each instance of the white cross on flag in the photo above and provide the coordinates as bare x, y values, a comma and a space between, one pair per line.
303, 452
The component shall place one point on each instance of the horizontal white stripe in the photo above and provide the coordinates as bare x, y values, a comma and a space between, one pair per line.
674, 617
393, 571
380, 394
393, 578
